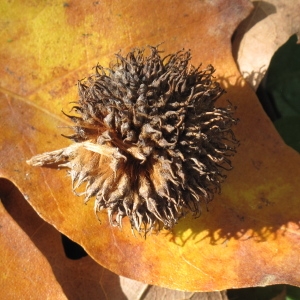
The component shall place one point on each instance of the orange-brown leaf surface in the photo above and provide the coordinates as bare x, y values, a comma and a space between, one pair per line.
33, 263
250, 234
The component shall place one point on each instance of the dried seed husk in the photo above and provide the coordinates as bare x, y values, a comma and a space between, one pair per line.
149, 142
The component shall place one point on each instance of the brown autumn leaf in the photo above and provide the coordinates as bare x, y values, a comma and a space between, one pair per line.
135, 290
33, 263
249, 236
268, 27
22, 264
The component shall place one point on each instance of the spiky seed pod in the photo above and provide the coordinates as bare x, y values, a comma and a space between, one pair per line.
150, 143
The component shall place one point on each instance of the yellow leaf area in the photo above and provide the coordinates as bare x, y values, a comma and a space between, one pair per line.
248, 237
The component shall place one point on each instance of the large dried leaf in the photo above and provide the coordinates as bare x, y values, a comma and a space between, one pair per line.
250, 234
33, 263
135, 290
22, 264
270, 25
